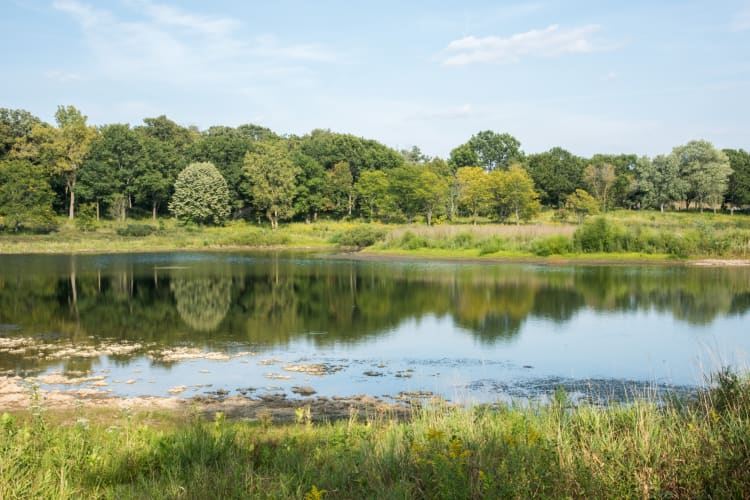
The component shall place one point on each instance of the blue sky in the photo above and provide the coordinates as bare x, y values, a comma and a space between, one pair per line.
592, 77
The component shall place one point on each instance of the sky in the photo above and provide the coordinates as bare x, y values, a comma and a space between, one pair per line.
589, 76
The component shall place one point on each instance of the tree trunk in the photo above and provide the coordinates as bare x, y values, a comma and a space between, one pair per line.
661, 207
71, 207
97, 209
429, 217
153, 209
518, 219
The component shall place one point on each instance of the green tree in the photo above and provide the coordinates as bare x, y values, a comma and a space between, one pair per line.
405, 188
15, 124
372, 189
270, 178
706, 171
582, 204
463, 156
488, 150
25, 195
512, 194
200, 195
433, 190
310, 186
624, 189
738, 192
600, 178
660, 180
473, 190
111, 166
340, 189
556, 174
66, 148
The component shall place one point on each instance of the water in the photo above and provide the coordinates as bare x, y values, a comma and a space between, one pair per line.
197, 323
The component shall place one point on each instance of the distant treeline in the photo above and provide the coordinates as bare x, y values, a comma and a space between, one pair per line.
163, 169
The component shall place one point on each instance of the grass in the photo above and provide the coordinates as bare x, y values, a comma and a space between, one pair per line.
618, 236
683, 449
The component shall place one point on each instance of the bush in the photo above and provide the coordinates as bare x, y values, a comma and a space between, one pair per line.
136, 230
360, 237
493, 245
599, 235
410, 241
554, 245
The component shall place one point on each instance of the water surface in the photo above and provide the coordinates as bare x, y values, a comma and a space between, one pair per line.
241, 322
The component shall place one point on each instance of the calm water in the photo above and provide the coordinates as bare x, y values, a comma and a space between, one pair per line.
143, 324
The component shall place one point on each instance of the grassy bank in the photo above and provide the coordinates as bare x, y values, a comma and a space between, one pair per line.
690, 449
618, 236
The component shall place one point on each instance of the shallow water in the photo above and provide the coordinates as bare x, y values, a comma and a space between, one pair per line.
225, 323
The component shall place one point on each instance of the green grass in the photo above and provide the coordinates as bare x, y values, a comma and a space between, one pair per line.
683, 449
618, 236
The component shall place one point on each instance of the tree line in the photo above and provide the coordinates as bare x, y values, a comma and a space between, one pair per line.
249, 172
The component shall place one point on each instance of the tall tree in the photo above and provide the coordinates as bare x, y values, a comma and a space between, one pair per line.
600, 178
70, 145
112, 165
270, 178
512, 194
556, 174
738, 192
706, 171
463, 156
372, 190
488, 150
473, 190
340, 189
15, 124
660, 180
310, 186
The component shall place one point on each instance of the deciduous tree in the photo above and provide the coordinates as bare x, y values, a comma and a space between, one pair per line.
270, 178
200, 195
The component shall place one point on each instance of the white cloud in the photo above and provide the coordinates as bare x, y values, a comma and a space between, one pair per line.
610, 76
549, 42
161, 43
62, 76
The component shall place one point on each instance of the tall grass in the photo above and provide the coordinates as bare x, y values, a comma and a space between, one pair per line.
683, 449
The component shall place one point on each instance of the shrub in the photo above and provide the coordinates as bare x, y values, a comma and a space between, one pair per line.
360, 237
554, 245
136, 230
410, 241
597, 235
493, 245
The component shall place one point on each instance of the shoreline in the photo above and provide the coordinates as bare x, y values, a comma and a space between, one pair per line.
368, 254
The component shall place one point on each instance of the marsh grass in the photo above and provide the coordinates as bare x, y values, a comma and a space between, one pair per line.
686, 448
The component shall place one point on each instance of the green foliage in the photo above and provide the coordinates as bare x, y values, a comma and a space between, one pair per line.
136, 230
582, 204
556, 173
86, 220
683, 448
25, 197
360, 237
270, 178
553, 245
201, 195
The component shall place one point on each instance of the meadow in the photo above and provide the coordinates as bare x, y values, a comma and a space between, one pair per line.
683, 448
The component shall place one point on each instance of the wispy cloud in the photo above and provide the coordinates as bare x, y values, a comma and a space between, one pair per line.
610, 76
552, 41
168, 44
450, 113
62, 76
741, 20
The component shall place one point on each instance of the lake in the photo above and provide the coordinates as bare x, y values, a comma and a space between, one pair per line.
227, 323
